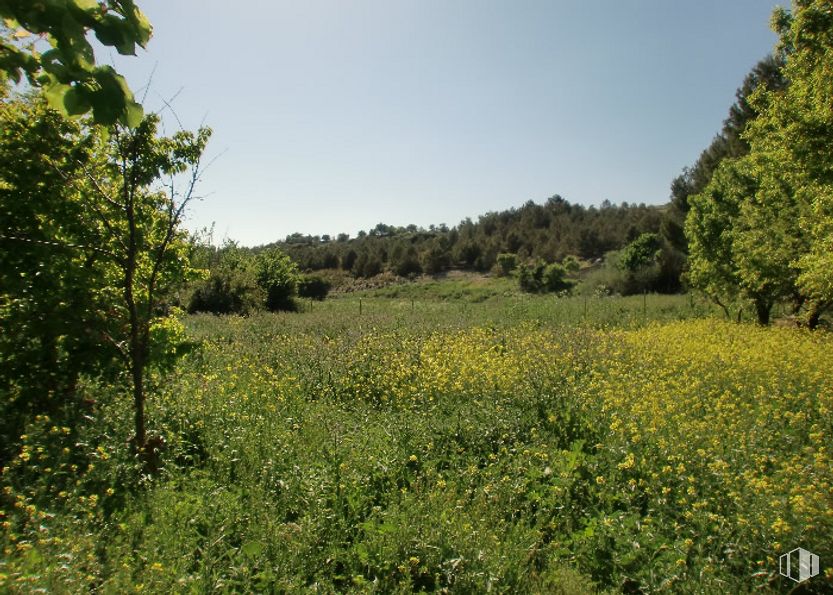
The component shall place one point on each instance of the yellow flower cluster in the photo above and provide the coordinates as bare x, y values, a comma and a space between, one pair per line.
728, 420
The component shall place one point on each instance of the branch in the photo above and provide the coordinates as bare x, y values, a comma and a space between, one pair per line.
119, 345
174, 217
57, 244
101, 192
168, 105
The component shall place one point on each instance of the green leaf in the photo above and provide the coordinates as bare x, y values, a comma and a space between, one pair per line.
90, 6
133, 114
252, 549
110, 30
362, 553
74, 45
143, 28
76, 102
51, 62
54, 94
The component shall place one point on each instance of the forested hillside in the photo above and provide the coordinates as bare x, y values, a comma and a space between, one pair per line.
549, 231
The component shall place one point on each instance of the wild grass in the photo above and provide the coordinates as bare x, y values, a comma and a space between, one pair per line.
510, 444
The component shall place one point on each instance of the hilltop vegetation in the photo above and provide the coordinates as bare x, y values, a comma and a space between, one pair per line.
548, 232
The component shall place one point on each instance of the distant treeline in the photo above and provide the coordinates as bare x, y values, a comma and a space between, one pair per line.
534, 232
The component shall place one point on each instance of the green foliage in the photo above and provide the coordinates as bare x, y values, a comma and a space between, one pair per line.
531, 277
436, 258
643, 252
404, 260
72, 81
277, 275
571, 264
760, 228
540, 277
548, 231
54, 269
367, 264
792, 135
230, 286
506, 263
314, 287
95, 248
730, 143
709, 230
555, 278
227, 291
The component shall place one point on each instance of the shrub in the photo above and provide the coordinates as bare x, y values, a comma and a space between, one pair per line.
643, 252
540, 277
277, 275
226, 292
554, 278
571, 264
367, 265
530, 277
506, 263
313, 287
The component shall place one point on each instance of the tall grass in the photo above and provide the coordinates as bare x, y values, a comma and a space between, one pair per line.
515, 444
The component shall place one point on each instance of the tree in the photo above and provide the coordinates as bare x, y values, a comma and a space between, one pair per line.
89, 203
793, 133
404, 260
436, 258
73, 82
708, 227
140, 221
571, 264
531, 277
506, 263
643, 251
728, 144
744, 235
277, 275
762, 227
313, 287
54, 267
555, 278
226, 291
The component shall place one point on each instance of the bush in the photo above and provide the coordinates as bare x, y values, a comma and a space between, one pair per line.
628, 272
506, 263
642, 253
405, 262
226, 292
530, 277
367, 265
277, 275
540, 277
435, 260
554, 278
313, 287
571, 264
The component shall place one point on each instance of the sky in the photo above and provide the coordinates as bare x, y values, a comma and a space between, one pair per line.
331, 116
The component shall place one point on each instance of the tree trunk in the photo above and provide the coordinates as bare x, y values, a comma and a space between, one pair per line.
762, 309
722, 307
814, 315
137, 372
136, 351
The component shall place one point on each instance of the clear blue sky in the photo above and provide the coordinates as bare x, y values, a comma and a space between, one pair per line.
336, 115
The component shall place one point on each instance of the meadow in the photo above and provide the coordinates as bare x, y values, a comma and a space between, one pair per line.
457, 438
